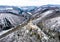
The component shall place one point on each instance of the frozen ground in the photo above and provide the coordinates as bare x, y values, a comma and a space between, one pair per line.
46, 31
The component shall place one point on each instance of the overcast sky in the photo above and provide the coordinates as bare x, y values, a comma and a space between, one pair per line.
28, 2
